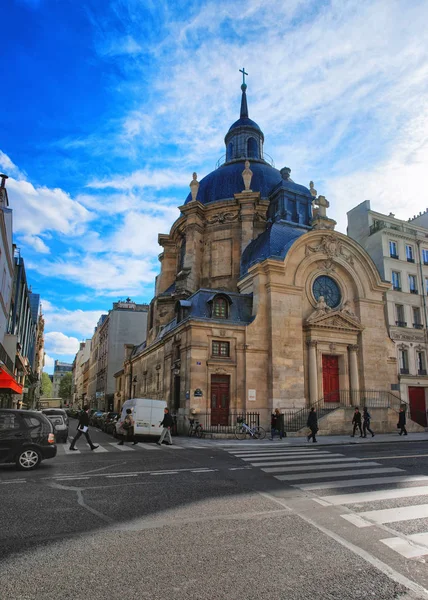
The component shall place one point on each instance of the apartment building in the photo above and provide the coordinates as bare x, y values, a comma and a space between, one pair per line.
60, 369
399, 250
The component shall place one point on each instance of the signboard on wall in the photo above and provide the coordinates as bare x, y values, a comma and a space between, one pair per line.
251, 395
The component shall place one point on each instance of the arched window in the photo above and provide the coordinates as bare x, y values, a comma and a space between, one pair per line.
220, 308
229, 154
252, 148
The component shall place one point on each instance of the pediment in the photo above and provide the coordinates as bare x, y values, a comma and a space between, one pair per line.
334, 320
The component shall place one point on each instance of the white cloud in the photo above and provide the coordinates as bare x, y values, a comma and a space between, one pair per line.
8, 167
35, 243
81, 322
158, 179
58, 343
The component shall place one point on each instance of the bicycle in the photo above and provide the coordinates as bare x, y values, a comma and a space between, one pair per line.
195, 428
242, 430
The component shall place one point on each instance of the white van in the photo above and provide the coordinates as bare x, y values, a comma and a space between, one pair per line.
147, 415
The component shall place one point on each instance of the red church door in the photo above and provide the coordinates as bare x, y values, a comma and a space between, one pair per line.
417, 405
220, 398
330, 378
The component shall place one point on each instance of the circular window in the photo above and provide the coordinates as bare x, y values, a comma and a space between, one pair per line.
327, 287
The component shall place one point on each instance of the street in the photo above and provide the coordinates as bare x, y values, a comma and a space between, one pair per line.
218, 519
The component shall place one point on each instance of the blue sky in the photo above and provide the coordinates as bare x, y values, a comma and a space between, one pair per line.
108, 106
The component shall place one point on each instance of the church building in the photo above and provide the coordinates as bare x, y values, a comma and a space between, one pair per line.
260, 303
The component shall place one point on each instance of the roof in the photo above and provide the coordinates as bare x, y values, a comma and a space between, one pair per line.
244, 122
226, 181
275, 242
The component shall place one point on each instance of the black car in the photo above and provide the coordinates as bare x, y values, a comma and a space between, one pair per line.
59, 419
26, 438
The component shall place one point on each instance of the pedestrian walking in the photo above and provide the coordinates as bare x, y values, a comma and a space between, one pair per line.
166, 424
366, 422
82, 428
356, 421
313, 425
401, 425
127, 427
277, 424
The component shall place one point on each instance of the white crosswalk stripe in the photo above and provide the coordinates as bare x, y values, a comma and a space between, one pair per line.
314, 470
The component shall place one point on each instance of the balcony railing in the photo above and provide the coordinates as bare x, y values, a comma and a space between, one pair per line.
422, 372
394, 256
411, 260
418, 325
401, 323
404, 371
413, 291
396, 288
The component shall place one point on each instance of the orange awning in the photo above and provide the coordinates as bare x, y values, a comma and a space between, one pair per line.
7, 382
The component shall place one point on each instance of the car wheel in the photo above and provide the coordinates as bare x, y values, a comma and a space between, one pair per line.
28, 459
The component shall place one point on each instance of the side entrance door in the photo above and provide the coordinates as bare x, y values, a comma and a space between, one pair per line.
417, 405
220, 399
330, 378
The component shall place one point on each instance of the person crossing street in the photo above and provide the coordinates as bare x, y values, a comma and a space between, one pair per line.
312, 423
82, 428
366, 422
166, 424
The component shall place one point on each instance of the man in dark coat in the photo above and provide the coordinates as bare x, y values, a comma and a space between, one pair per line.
402, 422
82, 427
166, 424
366, 422
357, 423
312, 424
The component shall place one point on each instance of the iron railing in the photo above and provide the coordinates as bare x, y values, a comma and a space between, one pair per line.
296, 419
225, 421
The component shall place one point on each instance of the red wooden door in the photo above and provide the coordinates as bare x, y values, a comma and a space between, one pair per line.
330, 378
220, 399
417, 405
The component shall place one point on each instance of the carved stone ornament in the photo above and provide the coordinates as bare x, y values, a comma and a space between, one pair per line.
312, 190
346, 309
194, 186
222, 218
353, 348
402, 347
333, 320
332, 247
321, 309
311, 343
419, 348
332, 347
222, 332
259, 217
247, 175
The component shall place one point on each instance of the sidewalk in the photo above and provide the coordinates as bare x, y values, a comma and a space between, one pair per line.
328, 440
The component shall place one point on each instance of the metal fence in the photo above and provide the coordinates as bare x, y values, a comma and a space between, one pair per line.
225, 422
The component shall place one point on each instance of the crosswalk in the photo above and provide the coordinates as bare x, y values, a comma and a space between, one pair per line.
82, 448
372, 494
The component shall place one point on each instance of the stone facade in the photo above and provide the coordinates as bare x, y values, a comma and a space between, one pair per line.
259, 302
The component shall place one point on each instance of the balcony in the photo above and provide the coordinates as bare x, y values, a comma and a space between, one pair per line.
411, 260
413, 291
418, 326
425, 262
401, 323
394, 256
422, 372
404, 371
396, 288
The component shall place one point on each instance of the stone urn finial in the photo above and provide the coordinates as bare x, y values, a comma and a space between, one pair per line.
247, 174
194, 186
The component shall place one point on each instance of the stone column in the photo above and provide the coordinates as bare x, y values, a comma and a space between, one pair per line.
353, 374
313, 371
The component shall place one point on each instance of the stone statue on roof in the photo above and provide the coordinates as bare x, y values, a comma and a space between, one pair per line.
247, 175
312, 190
194, 186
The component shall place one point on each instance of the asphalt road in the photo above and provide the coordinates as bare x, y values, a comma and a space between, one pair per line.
204, 520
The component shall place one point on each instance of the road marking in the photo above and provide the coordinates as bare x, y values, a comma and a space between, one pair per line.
173, 447
203, 470
100, 450
315, 461
380, 565
377, 495
408, 548
336, 474
282, 457
395, 515
394, 457
322, 502
70, 478
357, 520
13, 481
238, 468
123, 448
67, 450
360, 482
121, 475
278, 451
289, 469
146, 446
165, 473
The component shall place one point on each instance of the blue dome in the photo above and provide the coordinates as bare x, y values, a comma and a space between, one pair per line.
227, 180
244, 122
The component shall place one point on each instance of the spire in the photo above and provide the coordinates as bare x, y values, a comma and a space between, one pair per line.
244, 106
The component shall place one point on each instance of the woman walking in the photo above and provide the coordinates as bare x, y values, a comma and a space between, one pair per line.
128, 427
366, 423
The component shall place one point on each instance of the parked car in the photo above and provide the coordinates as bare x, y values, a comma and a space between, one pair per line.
109, 422
59, 419
93, 418
101, 420
26, 438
